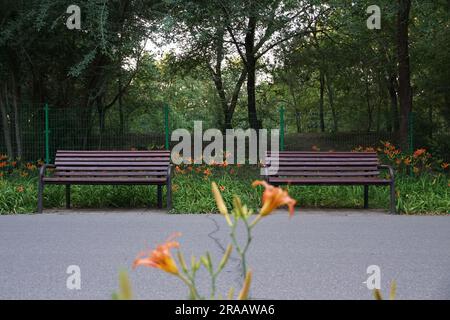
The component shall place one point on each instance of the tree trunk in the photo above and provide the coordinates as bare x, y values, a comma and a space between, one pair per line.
15, 98
101, 120
404, 73
369, 107
120, 105
5, 124
251, 73
446, 109
321, 102
228, 107
430, 120
331, 101
298, 118
392, 84
235, 96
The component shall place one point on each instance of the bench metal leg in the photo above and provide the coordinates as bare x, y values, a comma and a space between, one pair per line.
159, 196
366, 197
40, 196
67, 196
393, 205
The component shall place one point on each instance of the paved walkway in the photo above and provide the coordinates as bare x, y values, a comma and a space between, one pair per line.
314, 255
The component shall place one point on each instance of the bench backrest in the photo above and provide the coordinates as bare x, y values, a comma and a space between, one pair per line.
323, 164
112, 163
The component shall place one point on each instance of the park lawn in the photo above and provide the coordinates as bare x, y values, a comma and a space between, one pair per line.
426, 194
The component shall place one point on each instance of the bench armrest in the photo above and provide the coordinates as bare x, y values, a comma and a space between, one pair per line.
43, 168
169, 171
389, 168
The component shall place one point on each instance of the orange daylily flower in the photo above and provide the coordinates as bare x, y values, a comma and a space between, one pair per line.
30, 166
407, 161
179, 170
222, 188
207, 172
419, 152
3, 164
160, 258
220, 203
445, 165
274, 197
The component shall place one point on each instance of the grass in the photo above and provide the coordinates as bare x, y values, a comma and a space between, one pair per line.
426, 194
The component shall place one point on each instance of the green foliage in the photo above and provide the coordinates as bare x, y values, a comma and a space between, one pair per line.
426, 194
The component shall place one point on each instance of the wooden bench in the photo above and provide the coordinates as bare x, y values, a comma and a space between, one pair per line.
108, 168
329, 168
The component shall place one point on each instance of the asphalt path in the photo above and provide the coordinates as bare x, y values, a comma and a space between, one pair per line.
314, 255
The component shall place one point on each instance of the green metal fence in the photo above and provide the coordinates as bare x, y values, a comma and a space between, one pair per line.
44, 129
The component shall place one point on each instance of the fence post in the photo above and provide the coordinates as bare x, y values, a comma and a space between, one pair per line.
282, 128
166, 126
47, 135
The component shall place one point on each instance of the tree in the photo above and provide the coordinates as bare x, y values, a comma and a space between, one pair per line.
257, 27
404, 72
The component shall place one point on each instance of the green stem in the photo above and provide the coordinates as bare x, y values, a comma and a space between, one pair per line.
191, 285
213, 285
242, 252
255, 221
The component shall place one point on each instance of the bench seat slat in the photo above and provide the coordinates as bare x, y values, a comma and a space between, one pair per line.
329, 168
329, 181
329, 163
84, 159
113, 151
109, 173
324, 159
116, 154
322, 154
113, 168
112, 163
328, 173
104, 180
